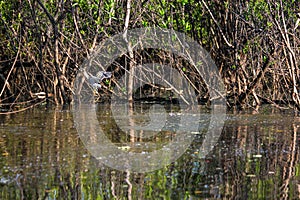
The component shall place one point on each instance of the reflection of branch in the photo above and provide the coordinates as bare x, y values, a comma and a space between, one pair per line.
113, 191
129, 185
289, 172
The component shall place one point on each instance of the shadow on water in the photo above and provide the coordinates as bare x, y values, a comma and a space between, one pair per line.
42, 157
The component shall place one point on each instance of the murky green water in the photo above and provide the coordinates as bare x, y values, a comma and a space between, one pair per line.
256, 157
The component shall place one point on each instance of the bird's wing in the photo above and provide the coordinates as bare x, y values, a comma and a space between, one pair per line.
103, 74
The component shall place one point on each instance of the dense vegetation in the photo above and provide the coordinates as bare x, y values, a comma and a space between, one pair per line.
254, 43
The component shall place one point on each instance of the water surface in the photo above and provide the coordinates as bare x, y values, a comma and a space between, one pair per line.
42, 157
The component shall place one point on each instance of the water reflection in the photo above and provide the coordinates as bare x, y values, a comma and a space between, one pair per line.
42, 157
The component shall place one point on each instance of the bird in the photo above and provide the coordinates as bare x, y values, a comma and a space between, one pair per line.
95, 81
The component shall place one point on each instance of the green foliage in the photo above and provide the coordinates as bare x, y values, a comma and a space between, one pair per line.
248, 25
246, 47
258, 9
6, 10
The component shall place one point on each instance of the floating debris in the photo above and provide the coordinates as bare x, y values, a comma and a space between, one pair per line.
124, 148
257, 156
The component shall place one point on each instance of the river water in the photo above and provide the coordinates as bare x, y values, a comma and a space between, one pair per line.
42, 156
